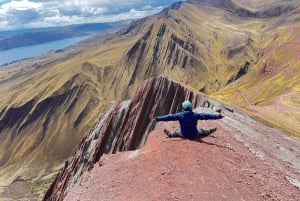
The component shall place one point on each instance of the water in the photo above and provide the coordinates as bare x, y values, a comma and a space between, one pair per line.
16, 54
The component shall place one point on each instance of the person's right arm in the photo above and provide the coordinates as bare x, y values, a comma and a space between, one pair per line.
169, 117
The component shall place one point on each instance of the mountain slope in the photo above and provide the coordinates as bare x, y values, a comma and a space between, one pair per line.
176, 169
206, 45
50, 115
125, 126
190, 48
272, 87
209, 168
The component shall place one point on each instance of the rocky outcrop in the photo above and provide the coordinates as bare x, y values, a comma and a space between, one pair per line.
125, 126
243, 71
241, 161
234, 163
202, 49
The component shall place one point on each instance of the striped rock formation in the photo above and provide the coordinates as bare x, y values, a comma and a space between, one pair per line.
125, 126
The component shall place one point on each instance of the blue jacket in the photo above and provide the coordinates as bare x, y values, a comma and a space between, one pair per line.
188, 121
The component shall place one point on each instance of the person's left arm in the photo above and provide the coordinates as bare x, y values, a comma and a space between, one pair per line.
207, 116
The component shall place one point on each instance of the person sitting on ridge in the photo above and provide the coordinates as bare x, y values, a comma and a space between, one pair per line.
188, 122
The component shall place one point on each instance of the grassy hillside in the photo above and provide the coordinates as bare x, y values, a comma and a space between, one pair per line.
245, 59
271, 91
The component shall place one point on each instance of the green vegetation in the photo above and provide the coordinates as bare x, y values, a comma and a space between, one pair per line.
39, 187
248, 62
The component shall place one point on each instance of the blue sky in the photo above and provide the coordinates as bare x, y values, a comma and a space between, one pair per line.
42, 13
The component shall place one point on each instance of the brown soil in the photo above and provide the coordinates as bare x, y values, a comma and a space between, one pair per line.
242, 160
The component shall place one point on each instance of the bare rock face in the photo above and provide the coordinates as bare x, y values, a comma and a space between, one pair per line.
125, 126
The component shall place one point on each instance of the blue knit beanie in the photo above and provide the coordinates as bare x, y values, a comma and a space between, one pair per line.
187, 105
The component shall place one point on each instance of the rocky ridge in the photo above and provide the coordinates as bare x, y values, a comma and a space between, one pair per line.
266, 156
218, 167
205, 46
125, 126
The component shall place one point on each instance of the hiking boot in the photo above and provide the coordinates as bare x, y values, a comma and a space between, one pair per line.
219, 110
212, 130
167, 132
208, 132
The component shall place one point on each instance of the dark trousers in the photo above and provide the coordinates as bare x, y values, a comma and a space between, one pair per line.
201, 133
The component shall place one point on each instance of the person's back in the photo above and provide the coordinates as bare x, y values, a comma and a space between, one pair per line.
188, 122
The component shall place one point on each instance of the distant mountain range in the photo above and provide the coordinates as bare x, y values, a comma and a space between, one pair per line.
28, 37
244, 53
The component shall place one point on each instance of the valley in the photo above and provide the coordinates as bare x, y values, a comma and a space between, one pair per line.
236, 52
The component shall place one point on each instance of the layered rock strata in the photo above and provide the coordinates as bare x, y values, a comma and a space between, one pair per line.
125, 126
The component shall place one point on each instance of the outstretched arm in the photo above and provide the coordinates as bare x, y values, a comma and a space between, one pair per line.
206, 116
169, 117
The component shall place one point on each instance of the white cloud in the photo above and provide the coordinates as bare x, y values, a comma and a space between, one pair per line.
29, 13
134, 14
20, 5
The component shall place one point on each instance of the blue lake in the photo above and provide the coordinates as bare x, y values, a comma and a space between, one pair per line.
15, 54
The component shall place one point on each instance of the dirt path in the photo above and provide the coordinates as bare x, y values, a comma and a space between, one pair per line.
242, 160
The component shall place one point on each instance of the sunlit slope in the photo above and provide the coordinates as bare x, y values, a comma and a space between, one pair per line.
45, 112
271, 90
193, 44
